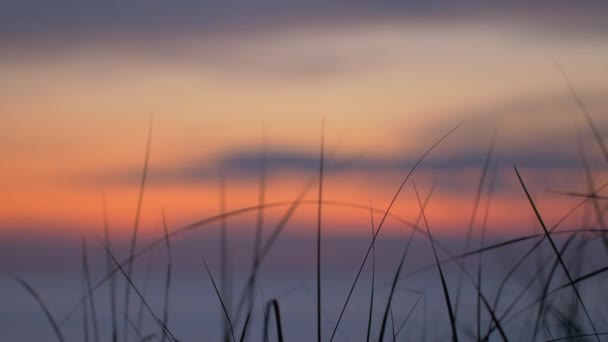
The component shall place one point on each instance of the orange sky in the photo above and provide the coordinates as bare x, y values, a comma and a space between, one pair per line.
74, 120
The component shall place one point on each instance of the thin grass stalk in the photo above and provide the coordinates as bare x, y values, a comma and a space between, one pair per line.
219, 297
112, 279
168, 275
41, 303
273, 305
407, 317
225, 264
138, 293
373, 285
394, 285
554, 247
257, 245
319, 215
85, 309
87, 278
484, 224
135, 233
467, 241
144, 289
386, 213
446, 293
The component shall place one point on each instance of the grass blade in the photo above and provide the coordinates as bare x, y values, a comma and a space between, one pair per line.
554, 247
87, 277
247, 320
394, 285
320, 206
134, 327
547, 283
371, 296
225, 264
112, 279
136, 290
407, 317
144, 289
446, 293
219, 296
274, 305
133, 243
482, 242
85, 310
467, 241
402, 261
386, 213
257, 245
570, 338
168, 274
40, 302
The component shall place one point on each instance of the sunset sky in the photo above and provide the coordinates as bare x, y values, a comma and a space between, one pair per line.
79, 82
223, 90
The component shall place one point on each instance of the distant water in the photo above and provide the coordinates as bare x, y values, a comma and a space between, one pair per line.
289, 276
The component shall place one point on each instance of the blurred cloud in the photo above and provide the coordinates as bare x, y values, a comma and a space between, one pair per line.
533, 132
70, 22
246, 165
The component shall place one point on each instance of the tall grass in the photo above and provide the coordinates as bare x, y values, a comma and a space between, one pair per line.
541, 303
134, 236
319, 212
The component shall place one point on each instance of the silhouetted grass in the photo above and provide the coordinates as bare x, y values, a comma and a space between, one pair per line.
134, 327
247, 320
141, 297
320, 206
112, 280
87, 278
402, 261
133, 244
558, 254
373, 283
144, 289
250, 286
386, 213
467, 239
219, 297
225, 263
446, 293
492, 183
274, 305
548, 313
47, 313
85, 309
471, 253
167, 276
407, 318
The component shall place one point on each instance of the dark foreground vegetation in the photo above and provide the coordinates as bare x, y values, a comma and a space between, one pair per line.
560, 299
